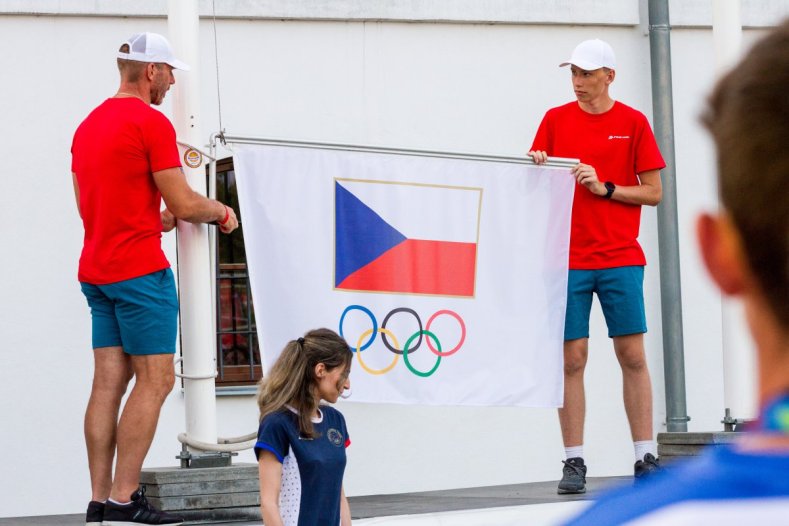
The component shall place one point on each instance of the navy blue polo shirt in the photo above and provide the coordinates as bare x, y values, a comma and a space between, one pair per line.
312, 469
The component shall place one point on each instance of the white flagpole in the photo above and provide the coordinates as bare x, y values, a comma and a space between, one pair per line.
194, 264
739, 367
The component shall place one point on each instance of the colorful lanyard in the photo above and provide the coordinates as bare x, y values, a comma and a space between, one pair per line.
775, 415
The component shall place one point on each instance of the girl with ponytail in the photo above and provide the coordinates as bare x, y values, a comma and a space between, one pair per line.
301, 442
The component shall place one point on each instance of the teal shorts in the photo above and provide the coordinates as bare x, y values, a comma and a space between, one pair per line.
621, 294
138, 314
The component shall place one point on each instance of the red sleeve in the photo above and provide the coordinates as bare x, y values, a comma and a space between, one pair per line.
542, 140
159, 138
647, 153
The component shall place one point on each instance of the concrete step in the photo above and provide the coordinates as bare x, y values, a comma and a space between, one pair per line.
205, 495
675, 446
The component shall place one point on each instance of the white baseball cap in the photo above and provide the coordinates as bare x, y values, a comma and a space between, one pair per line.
591, 55
151, 47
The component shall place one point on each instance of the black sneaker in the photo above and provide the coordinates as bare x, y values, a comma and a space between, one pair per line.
573, 476
644, 469
95, 513
138, 511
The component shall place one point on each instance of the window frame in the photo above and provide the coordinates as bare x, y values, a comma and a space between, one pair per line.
241, 305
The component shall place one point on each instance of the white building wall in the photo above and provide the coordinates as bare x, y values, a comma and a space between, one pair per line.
446, 84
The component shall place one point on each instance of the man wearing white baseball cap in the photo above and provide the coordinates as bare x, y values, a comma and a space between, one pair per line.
619, 171
150, 47
124, 162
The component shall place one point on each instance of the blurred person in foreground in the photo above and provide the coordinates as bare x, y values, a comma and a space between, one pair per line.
745, 247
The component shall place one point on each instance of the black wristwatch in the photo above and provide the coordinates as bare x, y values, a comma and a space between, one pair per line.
609, 189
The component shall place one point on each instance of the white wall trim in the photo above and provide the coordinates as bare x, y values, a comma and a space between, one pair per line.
683, 13
583, 12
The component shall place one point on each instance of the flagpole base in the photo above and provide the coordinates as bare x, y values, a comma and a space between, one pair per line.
205, 495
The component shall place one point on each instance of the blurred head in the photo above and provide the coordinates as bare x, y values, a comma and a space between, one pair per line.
308, 370
746, 247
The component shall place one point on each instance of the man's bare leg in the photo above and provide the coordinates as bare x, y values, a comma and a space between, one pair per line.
154, 379
636, 385
111, 375
573, 414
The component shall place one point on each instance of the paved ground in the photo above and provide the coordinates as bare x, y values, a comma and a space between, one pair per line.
410, 503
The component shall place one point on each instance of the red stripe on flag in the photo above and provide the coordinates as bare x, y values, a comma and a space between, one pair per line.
419, 267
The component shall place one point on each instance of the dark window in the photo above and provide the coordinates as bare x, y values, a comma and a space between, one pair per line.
238, 352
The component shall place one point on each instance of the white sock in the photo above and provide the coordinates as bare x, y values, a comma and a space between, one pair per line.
643, 447
575, 451
119, 503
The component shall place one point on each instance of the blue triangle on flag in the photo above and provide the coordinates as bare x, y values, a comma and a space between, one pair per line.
360, 234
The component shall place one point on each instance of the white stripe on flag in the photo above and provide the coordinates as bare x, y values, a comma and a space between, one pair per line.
437, 213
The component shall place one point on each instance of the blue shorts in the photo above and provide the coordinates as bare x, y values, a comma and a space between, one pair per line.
621, 294
139, 314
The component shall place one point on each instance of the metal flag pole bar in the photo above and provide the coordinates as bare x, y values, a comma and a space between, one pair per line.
556, 162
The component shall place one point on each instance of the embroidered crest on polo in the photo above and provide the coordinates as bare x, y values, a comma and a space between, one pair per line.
334, 436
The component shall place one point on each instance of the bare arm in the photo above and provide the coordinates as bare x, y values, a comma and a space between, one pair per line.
270, 473
76, 191
186, 204
649, 192
345, 509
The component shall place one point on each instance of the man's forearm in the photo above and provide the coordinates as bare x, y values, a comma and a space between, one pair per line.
637, 195
200, 209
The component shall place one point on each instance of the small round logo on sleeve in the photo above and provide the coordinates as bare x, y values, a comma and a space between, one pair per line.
335, 437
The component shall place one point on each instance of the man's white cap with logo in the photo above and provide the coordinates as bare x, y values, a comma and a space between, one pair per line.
591, 55
151, 47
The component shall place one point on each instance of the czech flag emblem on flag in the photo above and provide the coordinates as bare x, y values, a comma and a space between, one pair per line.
408, 238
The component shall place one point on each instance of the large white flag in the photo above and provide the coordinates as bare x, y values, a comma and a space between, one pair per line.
448, 277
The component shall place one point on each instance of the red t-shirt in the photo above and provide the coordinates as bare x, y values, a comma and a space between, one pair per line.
115, 151
619, 144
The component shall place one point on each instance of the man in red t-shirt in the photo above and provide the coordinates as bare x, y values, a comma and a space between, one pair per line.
619, 171
124, 162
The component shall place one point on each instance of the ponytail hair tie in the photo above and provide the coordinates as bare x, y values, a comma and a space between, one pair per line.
301, 341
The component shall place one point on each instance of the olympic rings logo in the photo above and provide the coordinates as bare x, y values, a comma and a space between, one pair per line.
412, 344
